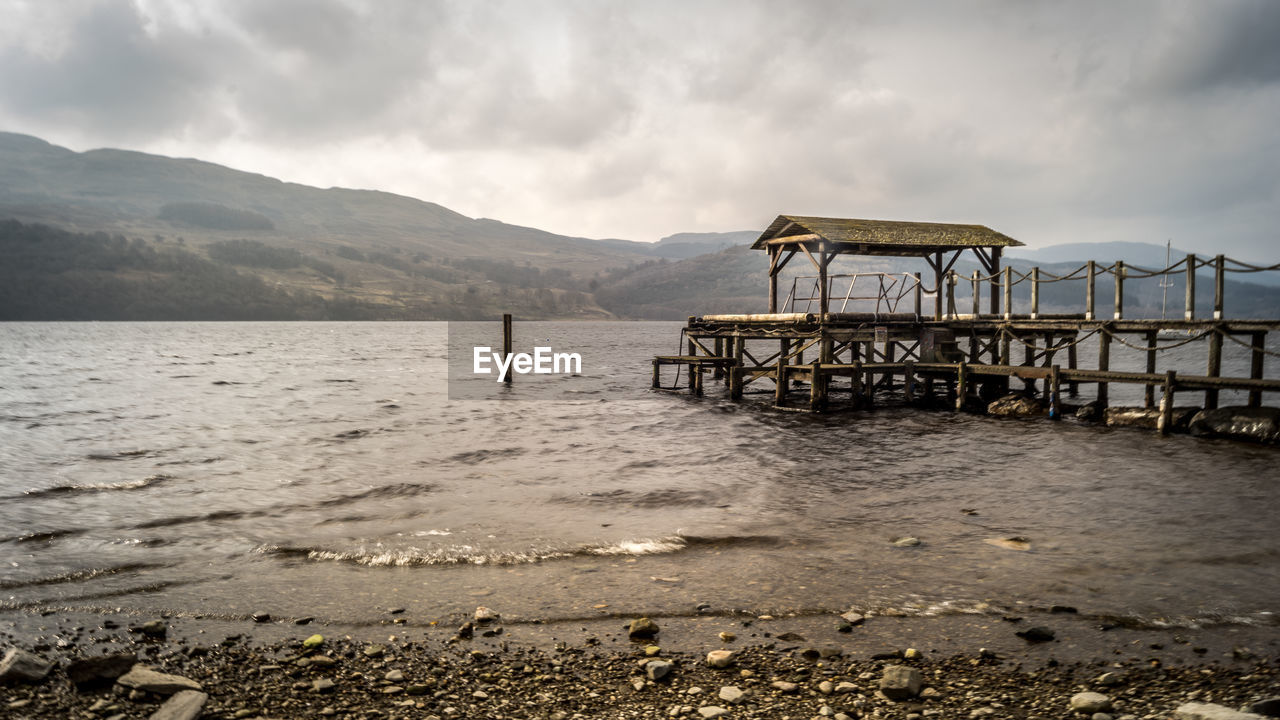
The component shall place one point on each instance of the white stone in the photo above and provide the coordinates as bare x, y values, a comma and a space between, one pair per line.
1209, 711
720, 658
1088, 703
712, 711
731, 694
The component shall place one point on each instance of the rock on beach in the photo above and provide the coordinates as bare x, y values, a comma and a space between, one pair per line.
21, 666
900, 682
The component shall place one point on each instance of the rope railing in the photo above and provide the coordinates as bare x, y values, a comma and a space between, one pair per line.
1006, 279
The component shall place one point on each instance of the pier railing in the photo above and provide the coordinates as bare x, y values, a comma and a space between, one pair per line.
888, 290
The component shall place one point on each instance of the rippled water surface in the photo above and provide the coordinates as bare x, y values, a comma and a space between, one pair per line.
322, 470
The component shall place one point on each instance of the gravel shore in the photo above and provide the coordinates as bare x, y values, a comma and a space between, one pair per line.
806, 668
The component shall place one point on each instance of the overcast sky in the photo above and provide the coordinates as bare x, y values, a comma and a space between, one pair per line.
1052, 122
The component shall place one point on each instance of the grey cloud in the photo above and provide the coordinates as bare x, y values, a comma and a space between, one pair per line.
1211, 46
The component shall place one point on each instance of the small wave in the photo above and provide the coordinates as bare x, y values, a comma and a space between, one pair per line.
122, 455
477, 456
40, 536
76, 576
148, 481
378, 555
663, 497
394, 490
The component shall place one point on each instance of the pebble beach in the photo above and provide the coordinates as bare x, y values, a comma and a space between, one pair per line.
1058, 665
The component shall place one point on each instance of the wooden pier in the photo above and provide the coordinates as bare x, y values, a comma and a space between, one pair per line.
816, 359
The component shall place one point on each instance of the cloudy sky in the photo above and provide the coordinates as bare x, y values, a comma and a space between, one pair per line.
1052, 122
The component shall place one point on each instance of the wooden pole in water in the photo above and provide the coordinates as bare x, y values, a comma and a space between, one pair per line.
961, 386
1259, 343
718, 372
1073, 386
817, 388
656, 383
1215, 366
1055, 395
1165, 423
909, 383
506, 345
1104, 363
780, 387
1149, 395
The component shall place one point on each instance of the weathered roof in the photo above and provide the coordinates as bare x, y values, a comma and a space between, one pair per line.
885, 237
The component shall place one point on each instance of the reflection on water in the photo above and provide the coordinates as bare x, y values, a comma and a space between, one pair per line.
321, 469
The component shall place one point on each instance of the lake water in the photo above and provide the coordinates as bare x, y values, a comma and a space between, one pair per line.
321, 469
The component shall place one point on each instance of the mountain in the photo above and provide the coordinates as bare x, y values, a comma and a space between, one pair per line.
402, 256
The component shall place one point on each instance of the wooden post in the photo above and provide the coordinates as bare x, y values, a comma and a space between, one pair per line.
696, 375
1090, 281
1190, 312
1119, 309
995, 281
656, 374
1104, 363
937, 287
1008, 293
1005, 342
1055, 394
909, 381
506, 343
1259, 342
1215, 365
780, 386
919, 296
1219, 286
1035, 293
693, 347
1073, 386
817, 389
1028, 359
735, 382
823, 290
977, 294
1165, 423
1149, 396
718, 372
951, 294
775, 251
961, 386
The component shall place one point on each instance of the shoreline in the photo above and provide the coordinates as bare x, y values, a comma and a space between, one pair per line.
975, 664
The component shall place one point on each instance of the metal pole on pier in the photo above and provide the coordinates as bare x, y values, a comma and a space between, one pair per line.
506, 342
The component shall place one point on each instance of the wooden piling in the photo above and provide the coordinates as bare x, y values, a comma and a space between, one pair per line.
1073, 386
962, 388
1215, 366
1104, 363
506, 344
817, 388
1055, 394
1165, 423
909, 382
656, 375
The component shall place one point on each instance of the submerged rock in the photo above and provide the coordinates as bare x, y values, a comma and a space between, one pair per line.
1148, 418
1239, 423
642, 628
1016, 406
1037, 634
